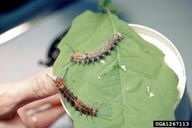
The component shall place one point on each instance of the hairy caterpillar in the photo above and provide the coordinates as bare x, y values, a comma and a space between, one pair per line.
73, 100
98, 53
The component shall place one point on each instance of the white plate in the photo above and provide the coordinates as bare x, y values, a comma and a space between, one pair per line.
172, 56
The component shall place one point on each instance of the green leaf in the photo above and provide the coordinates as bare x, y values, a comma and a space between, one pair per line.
120, 87
107, 4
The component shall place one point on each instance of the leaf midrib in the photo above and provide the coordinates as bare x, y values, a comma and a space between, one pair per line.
119, 63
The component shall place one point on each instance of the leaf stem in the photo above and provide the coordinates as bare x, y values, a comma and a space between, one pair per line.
113, 25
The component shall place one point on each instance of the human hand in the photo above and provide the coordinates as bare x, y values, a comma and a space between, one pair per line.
17, 106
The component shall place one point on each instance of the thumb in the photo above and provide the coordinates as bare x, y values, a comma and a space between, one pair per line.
16, 95
38, 86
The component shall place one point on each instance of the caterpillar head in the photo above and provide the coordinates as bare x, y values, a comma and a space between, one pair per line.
94, 112
119, 35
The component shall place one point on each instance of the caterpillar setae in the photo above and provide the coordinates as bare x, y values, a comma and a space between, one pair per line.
98, 53
72, 99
